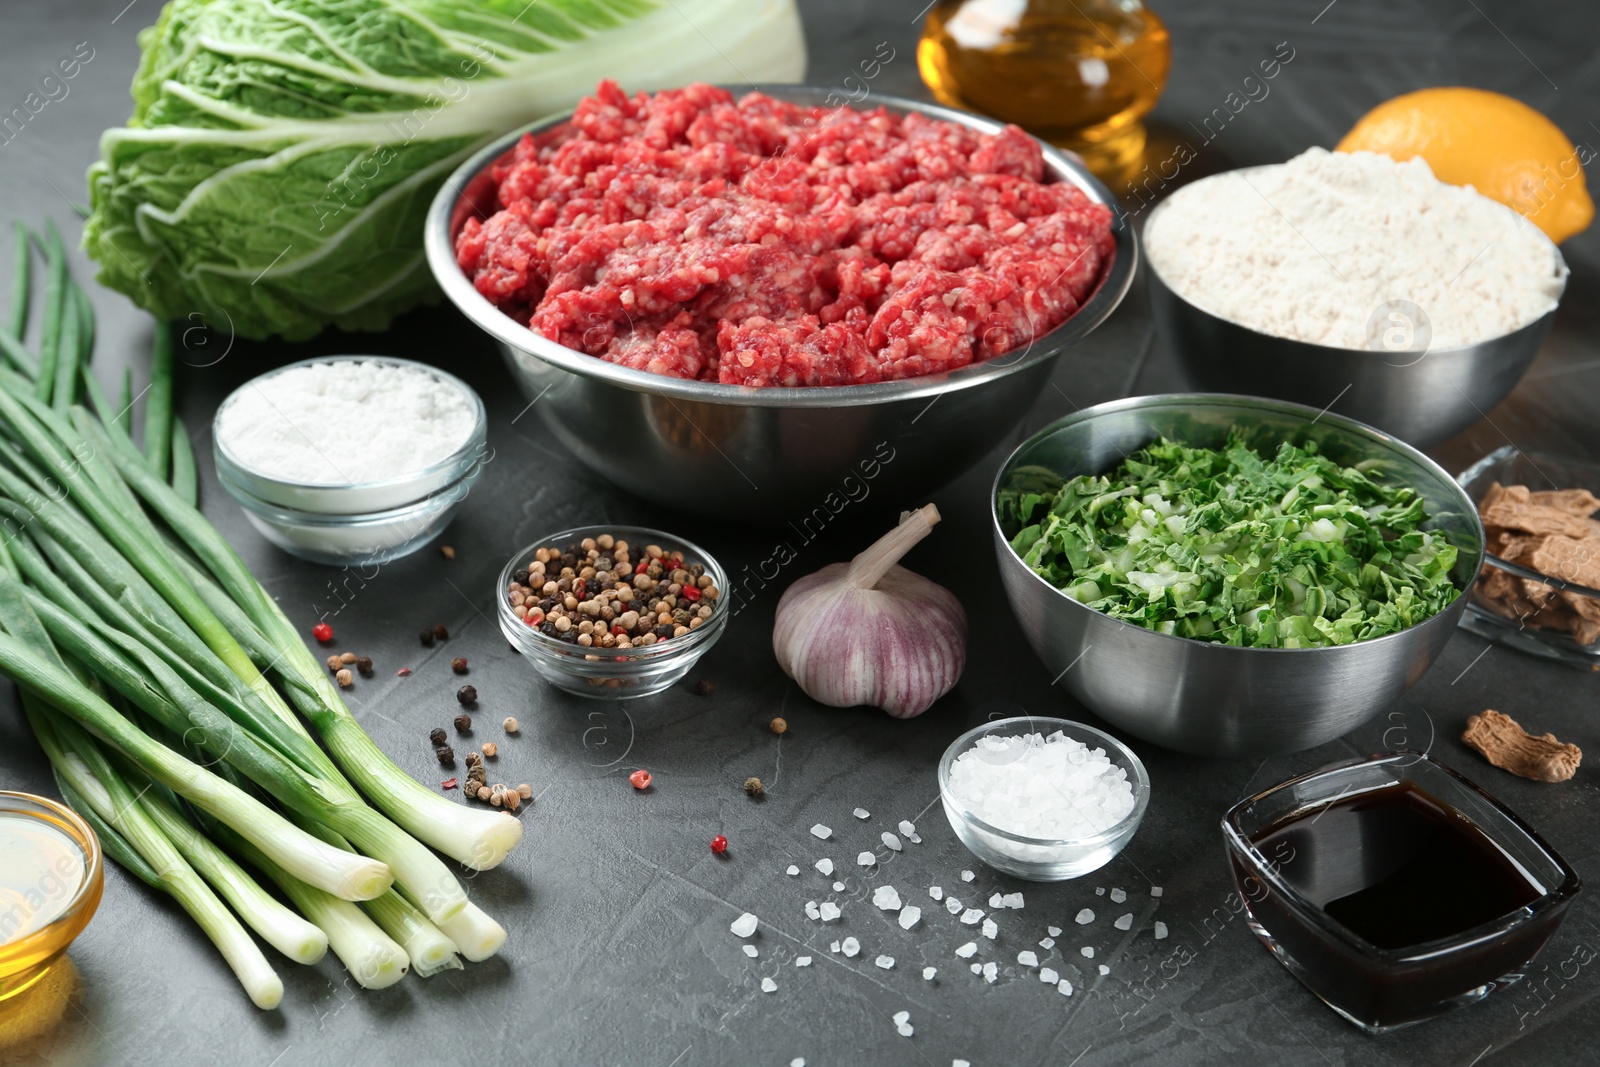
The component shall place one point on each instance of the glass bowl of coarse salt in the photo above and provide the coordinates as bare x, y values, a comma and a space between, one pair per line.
351, 459
1042, 799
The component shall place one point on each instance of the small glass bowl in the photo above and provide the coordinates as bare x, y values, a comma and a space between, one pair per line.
1385, 989
26, 959
612, 673
1044, 859
364, 523
1533, 612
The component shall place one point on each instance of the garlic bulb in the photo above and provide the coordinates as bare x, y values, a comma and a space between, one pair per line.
871, 632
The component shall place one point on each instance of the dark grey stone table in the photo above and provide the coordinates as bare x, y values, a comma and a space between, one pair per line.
620, 952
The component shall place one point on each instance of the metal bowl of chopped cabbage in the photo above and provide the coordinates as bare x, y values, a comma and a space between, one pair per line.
1231, 575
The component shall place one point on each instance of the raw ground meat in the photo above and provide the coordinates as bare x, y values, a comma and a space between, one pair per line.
756, 242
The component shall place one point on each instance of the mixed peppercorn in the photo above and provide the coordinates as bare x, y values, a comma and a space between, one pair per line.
593, 594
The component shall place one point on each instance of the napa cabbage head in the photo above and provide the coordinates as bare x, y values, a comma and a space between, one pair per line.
282, 154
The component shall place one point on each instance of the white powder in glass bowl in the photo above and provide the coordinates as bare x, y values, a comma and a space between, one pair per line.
1311, 249
345, 422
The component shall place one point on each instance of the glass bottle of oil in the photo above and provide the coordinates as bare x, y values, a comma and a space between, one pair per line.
1077, 73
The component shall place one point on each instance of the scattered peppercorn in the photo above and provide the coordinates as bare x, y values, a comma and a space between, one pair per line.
467, 696
473, 759
344, 678
511, 726
448, 783
525, 791
489, 750
497, 799
459, 665
446, 755
778, 725
440, 633
364, 665
447, 552
322, 632
426, 637
347, 658
719, 844
511, 800
641, 779
437, 735
463, 723
704, 687
333, 663
754, 788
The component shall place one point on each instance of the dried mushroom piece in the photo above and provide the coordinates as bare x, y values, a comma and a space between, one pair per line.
1501, 741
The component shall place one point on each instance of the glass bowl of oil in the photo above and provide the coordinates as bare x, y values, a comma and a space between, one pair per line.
51, 878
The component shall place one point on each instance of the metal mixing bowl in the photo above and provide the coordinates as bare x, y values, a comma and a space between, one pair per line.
1206, 698
1423, 397
768, 454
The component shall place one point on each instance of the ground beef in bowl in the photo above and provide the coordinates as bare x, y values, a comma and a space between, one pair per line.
758, 242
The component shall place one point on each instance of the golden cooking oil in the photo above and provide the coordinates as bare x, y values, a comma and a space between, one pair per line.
44, 865
1080, 74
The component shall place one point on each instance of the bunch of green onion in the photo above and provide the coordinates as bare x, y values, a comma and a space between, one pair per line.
183, 715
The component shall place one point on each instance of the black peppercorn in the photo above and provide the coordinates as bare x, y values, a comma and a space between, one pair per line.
364, 665
426, 637
459, 665
463, 723
664, 630
704, 687
473, 759
521, 577
441, 633
446, 754
437, 736
467, 696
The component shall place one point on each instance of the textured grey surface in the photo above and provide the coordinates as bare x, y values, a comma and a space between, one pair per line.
620, 951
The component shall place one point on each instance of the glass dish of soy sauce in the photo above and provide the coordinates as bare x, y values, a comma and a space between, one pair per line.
1394, 888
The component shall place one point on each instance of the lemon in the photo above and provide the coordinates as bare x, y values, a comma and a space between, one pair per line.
1501, 147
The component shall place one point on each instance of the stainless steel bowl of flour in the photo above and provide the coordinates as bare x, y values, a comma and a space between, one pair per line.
1353, 283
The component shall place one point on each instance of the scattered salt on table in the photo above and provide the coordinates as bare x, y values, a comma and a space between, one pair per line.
1084, 917
1088, 952
792, 871
798, 1061
885, 962
971, 915
851, 946
1124, 922
952, 904
1048, 975
744, 925
825, 865
866, 859
996, 901
802, 961
886, 898
977, 968
1012, 900
1099, 890
936, 892
863, 813
1161, 931
910, 916
1118, 896
959, 1063
768, 986
821, 831
834, 947
1104, 970
905, 1030
990, 929
830, 911
1028, 958
967, 876
901, 1018
891, 841
838, 887
1047, 943
1053, 931
966, 951
811, 910
1155, 891
751, 951
991, 971
908, 828
928, 973
1065, 988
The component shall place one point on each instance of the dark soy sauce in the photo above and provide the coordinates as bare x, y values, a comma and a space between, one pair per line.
1397, 868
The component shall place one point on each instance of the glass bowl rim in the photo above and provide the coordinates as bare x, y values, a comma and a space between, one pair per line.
446, 495
85, 837
227, 463
1140, 779
1501, 455
1261, 867
559, 653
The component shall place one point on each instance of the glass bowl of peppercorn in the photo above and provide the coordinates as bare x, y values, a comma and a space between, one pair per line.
614, 612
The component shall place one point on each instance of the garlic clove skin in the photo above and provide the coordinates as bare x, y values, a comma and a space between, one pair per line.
899, 646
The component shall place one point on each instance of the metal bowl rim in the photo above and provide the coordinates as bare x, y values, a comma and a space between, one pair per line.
1155, 273
1283, 407
439, 248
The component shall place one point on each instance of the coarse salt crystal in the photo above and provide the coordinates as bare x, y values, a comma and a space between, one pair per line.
910, 916
886, 898
1099, 890
821, 831
1027, 958
1053, 931
907, 827
830, 911
990, 929
971, 915
884, 961
768, 986
802, 961
1088, 952
811, 910
1104, 970
928, 973
1124, 922
991, 971
1118, 896
792, 871
850, 946
1048, 975
967, 876
1047, 943
744, 925
866, 859
901, 1018
977, 968
952, 905
891, 841
1084, 917
838, 887
966, 951
936, 892
863, 813
825, 865
959, 1063
1012, 900
1161, 931
1065, 988
995, 901
1155, 891
751, 951
798, 1061
1040, 786
834, 947
905, 1030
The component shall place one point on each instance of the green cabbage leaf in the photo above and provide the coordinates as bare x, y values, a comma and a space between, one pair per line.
282, 154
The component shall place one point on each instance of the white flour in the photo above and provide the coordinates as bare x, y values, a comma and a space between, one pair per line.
345, 422
1313, 250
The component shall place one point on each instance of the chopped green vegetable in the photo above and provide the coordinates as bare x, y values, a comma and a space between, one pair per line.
1228, 546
